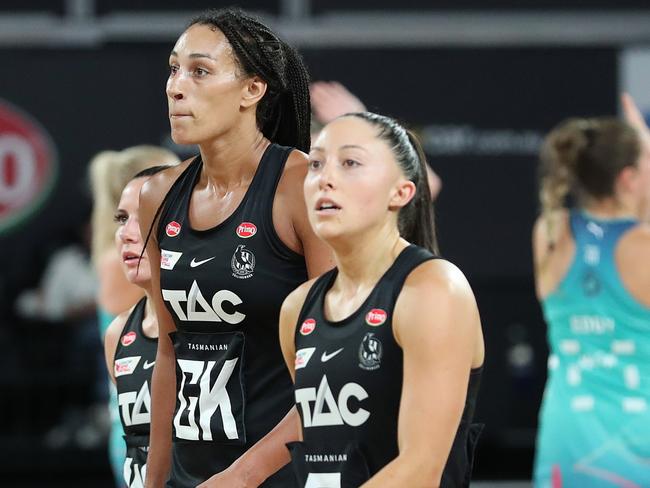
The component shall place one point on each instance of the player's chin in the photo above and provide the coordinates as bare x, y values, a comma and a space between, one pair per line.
327, 230
183, 136
139, 277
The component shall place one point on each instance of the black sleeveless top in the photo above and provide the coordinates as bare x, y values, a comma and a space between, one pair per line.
135, 356
224, 288
348, 387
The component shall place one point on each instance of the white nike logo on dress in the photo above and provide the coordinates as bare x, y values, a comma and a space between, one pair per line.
326, 357
148, 364
195, 263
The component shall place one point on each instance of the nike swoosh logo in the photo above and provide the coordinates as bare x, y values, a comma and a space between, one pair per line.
195, 263
326, 357
148, 364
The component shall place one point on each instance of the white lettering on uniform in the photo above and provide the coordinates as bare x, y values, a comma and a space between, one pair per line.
208, 401
335, 413
141, 413
213, 312
592, 324
134, 477
323, 480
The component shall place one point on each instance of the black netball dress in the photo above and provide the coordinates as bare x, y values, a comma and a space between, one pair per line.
224, 288
348, 388
135, 357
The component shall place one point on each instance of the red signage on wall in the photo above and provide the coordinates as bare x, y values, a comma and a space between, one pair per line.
28, 165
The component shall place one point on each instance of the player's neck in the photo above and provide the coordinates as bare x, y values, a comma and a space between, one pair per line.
362, 263
232, 158
610, 208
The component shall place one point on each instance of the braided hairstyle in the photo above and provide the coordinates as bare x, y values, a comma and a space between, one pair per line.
582, 158
283, 114
416, 219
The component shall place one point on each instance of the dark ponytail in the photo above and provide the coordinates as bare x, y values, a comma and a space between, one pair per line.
283, 114
416, 221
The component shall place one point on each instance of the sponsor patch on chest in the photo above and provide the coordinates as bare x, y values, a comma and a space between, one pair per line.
125, 366
168, 259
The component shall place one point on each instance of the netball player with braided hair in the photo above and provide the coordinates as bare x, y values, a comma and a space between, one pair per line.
592, 273
386, 349
231, 232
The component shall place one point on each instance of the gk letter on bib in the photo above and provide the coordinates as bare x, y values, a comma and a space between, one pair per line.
209, 390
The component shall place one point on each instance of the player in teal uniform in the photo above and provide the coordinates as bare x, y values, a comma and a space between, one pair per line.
592, 271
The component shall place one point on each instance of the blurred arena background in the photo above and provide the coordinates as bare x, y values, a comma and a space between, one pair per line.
482, 81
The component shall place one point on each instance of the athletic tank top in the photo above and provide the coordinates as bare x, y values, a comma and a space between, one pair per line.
224, 288
134, 359
595, 419
348, 387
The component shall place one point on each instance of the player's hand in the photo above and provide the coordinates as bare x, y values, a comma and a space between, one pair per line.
330, 99
634, 117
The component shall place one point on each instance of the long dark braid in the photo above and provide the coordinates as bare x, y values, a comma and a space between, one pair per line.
283, 114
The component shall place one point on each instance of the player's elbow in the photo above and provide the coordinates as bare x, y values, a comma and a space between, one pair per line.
422, 469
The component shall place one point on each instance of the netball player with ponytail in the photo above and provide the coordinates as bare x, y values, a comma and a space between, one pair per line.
131, 339
386, 349
230, 231
592, 273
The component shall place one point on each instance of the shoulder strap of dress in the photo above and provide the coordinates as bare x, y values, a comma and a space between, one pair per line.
178, 191
409, 259
315, 293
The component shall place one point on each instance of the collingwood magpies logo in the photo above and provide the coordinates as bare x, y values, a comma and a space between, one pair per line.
242, 262
370, 352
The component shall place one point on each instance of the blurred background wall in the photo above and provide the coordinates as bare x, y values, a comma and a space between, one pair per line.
482, 81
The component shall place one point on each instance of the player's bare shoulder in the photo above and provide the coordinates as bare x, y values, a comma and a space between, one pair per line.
294, 173
295, 300
157, 186
437, 278
155, 189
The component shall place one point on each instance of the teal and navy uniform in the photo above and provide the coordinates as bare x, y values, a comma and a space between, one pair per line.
594, 428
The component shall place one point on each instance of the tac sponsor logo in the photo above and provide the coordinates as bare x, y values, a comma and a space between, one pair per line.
168, 259
246, 230
128, 338
242, 263
330, 410
125, 366
173, 229
303, 356
307, 327
370, 352
376, 317
28, 166
192, 305
135, 406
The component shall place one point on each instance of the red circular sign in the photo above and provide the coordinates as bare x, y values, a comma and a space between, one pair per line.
376, 317
173, 228
128, 339
27, 165
308, 327
246, 230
